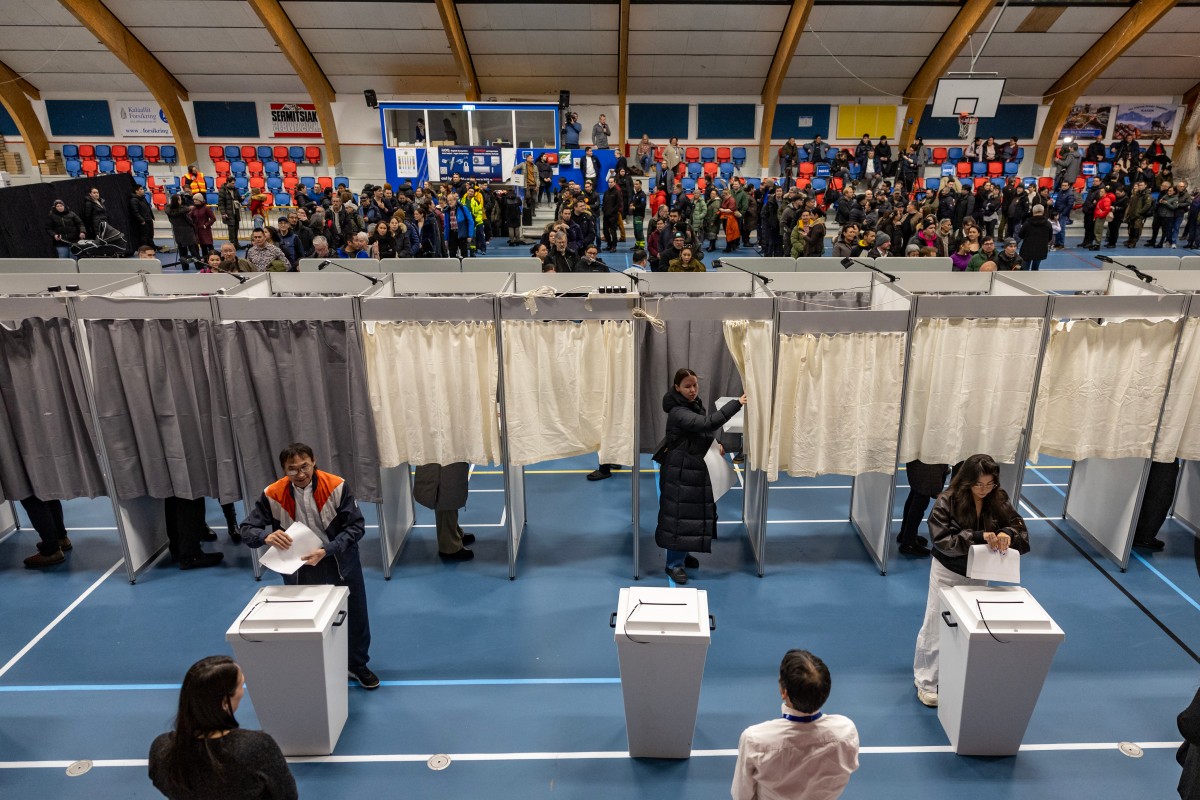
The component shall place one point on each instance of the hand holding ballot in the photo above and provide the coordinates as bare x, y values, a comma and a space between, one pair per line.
997, 541
292, 549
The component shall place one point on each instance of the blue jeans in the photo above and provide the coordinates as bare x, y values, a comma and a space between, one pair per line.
1173, 229
646, 162
64, 251
675, 558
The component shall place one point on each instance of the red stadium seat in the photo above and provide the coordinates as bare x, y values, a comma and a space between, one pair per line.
658, 153
691, 155
151, 153
216, 152
258, 182
312, 154
980, 182
124, 166
1047, 182
963, 169
255, 168
280, 153
802, 183
807, 169
90, 167
288, 168
290, 183
939, 155
87, 151
119, 151
160, 200
324, 183
724, 155
995, 168
249, 153
711, 170
221, 167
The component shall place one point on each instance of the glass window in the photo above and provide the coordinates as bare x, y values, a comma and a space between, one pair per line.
405, 126
491, 126
535, 128
448, 127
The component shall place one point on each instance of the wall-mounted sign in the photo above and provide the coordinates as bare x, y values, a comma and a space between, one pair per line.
294, 120
140, 120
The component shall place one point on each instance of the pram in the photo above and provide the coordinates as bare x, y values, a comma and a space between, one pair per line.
109, 243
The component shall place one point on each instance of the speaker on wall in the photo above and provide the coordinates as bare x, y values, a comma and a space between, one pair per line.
564, 99
372, 100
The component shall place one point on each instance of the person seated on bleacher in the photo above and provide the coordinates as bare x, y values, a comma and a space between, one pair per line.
1096, 151
818, 151
229, 261
789, 157
991, 151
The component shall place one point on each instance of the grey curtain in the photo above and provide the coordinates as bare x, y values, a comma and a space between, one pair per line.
300, 382
162, 409
699, 346
47, 441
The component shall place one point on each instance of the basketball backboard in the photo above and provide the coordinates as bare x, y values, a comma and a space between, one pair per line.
978, 97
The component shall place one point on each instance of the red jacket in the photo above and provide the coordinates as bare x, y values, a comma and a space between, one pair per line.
1103, 206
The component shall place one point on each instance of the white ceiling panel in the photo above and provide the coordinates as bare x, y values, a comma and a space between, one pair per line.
366, 14
715, 19
245, 64
1033, 45
388, 64
843, 87
1166, 44
848, 42
182, 14
651, 42
161, 41
242, 84
548, 65
1020, 67
382, 40
50, 42
38, 12
1153, 67
35, 63
563, 42
1180, 19
724, 66
72, 84
883, 18
1087, 19
398, 86
1138, 85
1027, 90
546, 86
692, 87
532, 17
862, 66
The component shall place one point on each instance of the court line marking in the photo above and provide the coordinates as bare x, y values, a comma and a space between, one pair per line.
1045, 481
157, 687
593, 755
12, 662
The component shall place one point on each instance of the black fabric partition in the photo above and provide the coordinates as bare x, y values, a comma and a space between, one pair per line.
25, 209
47, 441
300, 382
162, 409
698, 345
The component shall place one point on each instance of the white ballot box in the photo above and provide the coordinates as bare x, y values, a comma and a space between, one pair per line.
662, 639
996, 647
291, 644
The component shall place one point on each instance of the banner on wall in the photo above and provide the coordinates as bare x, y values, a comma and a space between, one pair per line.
471, 162
296, 120
406, 163
139, 120
1087, 121
1145, 121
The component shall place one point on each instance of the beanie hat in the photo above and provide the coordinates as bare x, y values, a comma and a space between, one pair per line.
882, 239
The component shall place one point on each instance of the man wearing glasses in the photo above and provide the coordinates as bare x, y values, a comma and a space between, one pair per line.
322, 502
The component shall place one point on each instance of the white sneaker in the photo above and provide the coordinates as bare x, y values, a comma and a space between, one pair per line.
927, 698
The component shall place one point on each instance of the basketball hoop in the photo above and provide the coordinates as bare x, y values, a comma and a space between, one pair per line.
966, 126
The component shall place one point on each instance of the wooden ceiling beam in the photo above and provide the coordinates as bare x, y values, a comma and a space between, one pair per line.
622, 70
458, 45
789, 38
15, 99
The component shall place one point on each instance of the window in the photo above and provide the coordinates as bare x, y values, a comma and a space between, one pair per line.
535, 128
406, 127
492, 127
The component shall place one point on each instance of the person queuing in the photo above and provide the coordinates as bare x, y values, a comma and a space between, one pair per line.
95, 214
323, 502
183, 231
804, 754
687, 514
65, 228
206, 754
141, 218
974, 510
202, 218
229, 206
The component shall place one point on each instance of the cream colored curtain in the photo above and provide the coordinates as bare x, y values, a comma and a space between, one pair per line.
568, 390
750, 343
970, 383
1102, 389
837, 404
1179, 435
433, 391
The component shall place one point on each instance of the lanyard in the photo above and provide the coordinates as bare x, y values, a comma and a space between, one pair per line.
810, 718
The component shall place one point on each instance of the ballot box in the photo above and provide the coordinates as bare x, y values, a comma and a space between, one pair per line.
291, 644
662, 637
996, 647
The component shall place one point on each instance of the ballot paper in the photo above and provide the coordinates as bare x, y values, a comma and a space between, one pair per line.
986, 564
286, 562
720, 473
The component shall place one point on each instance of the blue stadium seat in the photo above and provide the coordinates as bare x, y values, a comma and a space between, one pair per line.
103, 151
1104, 167
727, 170
854, 170
271, 168
283, 199
708, 154
275, 183
1010, 168
966, 183
932, 184
979, 168
139, 180
998, 182
107, 165
211, 198
232, 152
237, 168
134, 151
954, 153
241, 182
74, 166
210, 183
169, 154
296, 153
948, 169
70, 151
309, 182
689, 184
695, 171
1020, 154
264, 153
1029, 181
739, 156
805, 155
819, 184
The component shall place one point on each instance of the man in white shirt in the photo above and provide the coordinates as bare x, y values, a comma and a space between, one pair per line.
803, 755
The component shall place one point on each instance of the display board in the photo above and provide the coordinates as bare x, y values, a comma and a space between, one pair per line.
875, 121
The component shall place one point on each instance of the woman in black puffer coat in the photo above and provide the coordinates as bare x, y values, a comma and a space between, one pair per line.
687, 513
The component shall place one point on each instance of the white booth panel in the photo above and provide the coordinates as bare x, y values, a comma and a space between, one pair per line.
142, 523
8, 517
1103, 500
119, 265
21, 265
1189, 262
396, 512
420, 265
357, 264
498, 264
871, 502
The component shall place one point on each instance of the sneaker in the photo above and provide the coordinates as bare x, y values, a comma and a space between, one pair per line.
1149, 544
366, 679
461, 555
38, 561
65, 545
678, 575
202, 561
691, 562
929, 699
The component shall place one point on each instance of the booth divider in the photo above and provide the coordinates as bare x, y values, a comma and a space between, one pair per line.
426, 297
120, 265
499, 264
1099, 502
573, 301
420, 265
1189, 262
359, 264
23, 265
8, 518
872, 494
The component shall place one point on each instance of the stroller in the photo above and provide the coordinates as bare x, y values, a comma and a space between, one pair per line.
110, 243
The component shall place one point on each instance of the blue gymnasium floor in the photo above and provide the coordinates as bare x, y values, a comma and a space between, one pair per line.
517, 680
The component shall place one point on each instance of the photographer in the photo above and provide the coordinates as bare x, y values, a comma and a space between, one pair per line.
570, 130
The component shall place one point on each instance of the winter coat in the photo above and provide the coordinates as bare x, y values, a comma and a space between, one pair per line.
94, 215
441, 487
229, 202
1139, 206
816, 239
799, 242
677, 265
202, 220
1167, 204
181, 226
1070, 165
511, 212
926, 479
687, 513
67, 226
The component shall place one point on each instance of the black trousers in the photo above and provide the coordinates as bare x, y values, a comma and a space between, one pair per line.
459, 246
46, 516
326, 574
185, 525
1089, 230
232, 225
914, 509
1156, 503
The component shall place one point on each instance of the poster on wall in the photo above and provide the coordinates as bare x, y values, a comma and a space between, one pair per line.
140, 120
406, 162
1087, 121
1145, 121
470, 162
294, 120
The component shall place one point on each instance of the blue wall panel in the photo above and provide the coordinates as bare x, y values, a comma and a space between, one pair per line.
659, 121
1011, 120
226, 120
725, 121
7, 126
802, 120
79, 118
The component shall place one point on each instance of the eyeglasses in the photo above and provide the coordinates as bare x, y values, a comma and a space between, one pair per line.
987, 487
303, 469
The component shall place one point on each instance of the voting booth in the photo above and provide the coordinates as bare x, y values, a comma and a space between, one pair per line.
662, 640
291, 643
997, 644
8, 518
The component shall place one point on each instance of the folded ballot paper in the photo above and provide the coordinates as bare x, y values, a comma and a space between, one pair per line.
720, 473
986, 564
286, 562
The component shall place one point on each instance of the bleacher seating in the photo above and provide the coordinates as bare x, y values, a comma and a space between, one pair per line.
169, 154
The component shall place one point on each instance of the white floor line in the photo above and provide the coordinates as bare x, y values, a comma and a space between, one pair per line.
595, 755
6, 536
12, 662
